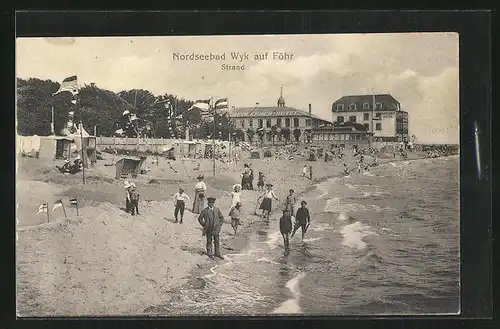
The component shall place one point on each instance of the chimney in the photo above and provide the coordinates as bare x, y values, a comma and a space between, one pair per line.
309, 109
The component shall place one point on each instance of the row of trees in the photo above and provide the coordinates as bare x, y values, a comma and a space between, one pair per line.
103, 110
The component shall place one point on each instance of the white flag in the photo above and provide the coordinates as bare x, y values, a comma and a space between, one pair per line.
57, 204
69, 84
42, 208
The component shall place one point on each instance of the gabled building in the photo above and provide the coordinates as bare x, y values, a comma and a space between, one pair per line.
380, 114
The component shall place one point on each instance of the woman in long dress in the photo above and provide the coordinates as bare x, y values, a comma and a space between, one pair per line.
266, 204
199, 195
245, 178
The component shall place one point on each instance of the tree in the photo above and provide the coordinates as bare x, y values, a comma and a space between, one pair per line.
285, 132
274, 132
250, 134
296, 133
239, 135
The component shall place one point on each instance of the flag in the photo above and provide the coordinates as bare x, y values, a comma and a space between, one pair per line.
57, 204
201, 104
221, 104
42, 208
73, 201
69, 84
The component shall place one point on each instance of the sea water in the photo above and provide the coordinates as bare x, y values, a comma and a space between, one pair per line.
380, 242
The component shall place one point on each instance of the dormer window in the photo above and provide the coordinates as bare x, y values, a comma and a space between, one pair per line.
378, 105
366, 106
340, 107
352, 107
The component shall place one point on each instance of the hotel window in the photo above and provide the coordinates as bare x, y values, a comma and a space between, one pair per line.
340, 119
268, 123
352, 118
250, 123
295, 122
308, 122
367, 126
287, 122
278, 122
378, 126
261, 123
366, 116
340, 107
352, 106
242, 123
378, 105
377, 116
366, 106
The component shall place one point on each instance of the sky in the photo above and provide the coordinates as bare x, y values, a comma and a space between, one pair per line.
419, 69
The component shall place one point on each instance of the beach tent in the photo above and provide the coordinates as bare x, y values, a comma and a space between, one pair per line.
254, 154
28, 145
55, 147
89, 147
129, 166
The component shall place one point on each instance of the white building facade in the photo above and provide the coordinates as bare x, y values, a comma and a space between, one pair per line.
380, 114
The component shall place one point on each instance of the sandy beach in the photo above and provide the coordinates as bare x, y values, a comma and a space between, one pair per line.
107, 262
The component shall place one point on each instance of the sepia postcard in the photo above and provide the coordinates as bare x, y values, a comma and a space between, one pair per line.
238, 175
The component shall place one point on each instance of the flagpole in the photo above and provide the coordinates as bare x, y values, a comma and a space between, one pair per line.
64, 209
77, 207
230, 131
52, 130
213, 139
48, 215
81, 146
373, 115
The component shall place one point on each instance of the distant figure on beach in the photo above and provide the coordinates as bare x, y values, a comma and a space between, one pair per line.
302, 219
134, 199
250, 177
235, 214
267, 198
180, 199
310, 172
211, 220
286, 228
245, 177
235, 195
304, 171
199, 194
347, 171
290, 202
260, 182
127, 196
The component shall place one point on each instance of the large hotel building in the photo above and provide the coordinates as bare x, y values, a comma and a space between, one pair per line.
379, 114
264, 117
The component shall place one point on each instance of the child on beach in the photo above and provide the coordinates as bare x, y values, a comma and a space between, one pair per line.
290, 202
260, 182
234, 214
286, 229
236, 195
302, 219
134, 199
180, 199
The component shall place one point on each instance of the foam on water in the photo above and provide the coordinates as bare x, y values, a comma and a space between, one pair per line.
274, 240
320, 228
334, 205
291, 305
312, 239
267, 260
321, 195
370, 194
367, 173
350, 186
354, 233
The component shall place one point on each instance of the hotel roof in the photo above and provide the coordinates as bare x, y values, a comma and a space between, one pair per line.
388, 102
270, 111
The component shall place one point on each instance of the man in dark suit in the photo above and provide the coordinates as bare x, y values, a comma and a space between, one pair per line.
211, 220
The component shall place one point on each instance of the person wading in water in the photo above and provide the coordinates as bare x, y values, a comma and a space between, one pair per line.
234, 214
285, 229
302, 219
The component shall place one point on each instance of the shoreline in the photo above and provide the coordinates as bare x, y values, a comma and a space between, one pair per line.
239, 244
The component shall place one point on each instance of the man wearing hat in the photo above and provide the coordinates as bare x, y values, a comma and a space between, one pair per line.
180, 199
302, 219
211, 220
